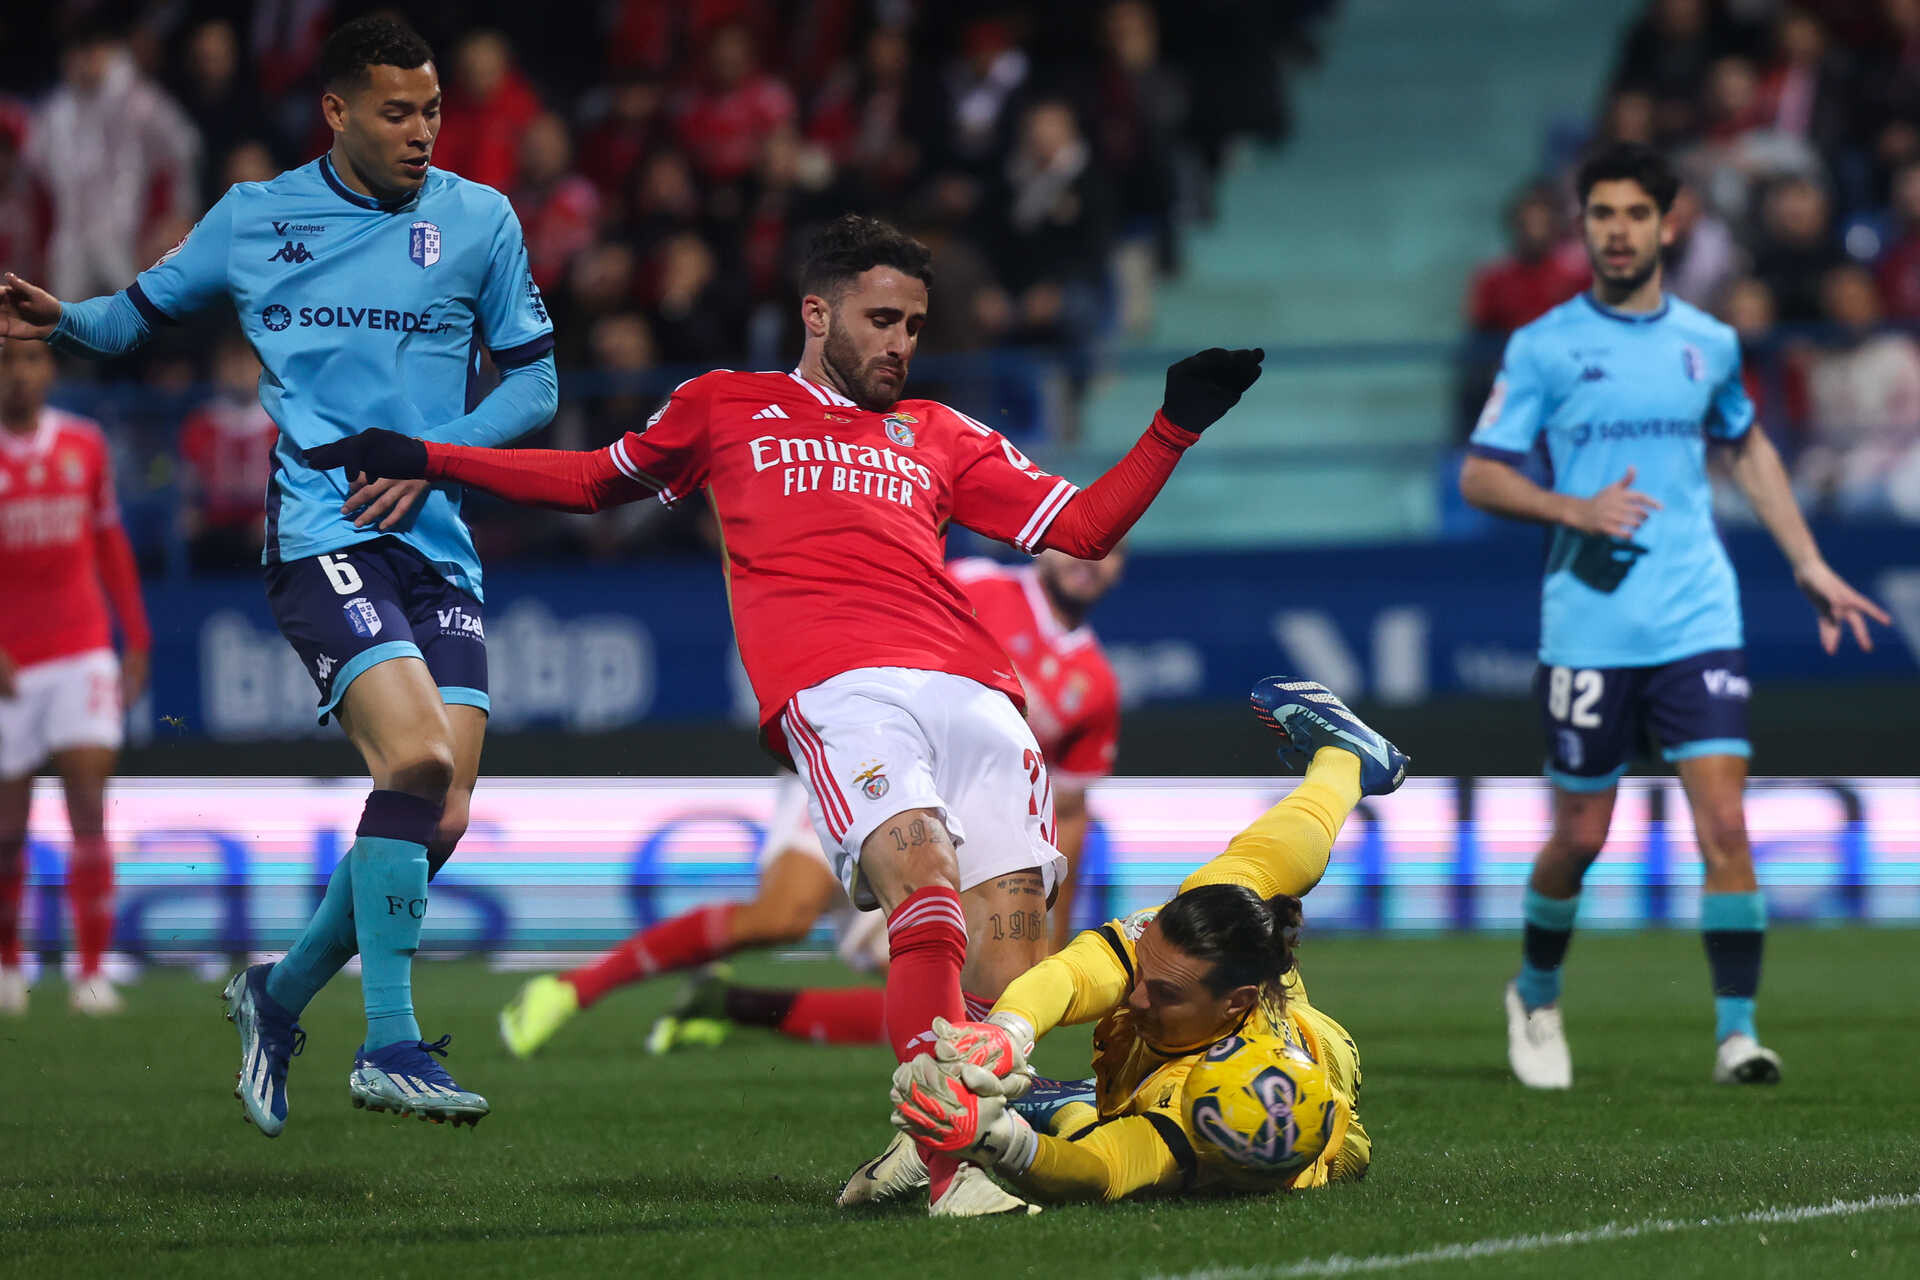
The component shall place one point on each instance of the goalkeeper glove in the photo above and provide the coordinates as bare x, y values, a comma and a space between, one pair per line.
377, 453
958, 1112
1201, 388
999, 1045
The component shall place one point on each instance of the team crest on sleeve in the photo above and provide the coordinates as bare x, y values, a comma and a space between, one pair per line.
423, 244
872, 780
1136, 924
1693, 362
900, 429
1496, 401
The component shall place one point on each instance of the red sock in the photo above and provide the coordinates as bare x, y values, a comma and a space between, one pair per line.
842, 1015
928, 938
13, 887
702, 934
90, 890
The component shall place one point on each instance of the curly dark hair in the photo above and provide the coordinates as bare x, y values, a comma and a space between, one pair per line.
1630, 162
853, 243
372, 41
1246, 939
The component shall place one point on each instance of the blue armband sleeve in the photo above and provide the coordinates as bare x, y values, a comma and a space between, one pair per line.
524, 401
106, 326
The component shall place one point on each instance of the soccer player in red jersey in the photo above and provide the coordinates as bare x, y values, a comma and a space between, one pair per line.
1038, 614
63, 559
872, 673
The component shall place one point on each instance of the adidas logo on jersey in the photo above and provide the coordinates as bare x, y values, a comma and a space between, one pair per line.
771, 411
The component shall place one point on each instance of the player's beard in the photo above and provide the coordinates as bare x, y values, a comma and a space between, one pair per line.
839, 355
1620, 288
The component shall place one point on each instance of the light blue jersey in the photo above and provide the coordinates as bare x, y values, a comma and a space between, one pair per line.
364, 315
1611, 390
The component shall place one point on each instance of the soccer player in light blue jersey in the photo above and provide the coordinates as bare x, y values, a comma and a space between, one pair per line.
369, 283
1640, 616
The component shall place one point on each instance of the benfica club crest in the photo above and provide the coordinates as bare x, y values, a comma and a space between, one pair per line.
423, 244
900, 429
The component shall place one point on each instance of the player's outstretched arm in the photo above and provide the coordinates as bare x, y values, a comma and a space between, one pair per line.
105, 326
1200, 390
27, 312
1761, 476
563, 480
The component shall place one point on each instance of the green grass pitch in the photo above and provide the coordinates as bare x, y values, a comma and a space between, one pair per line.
124, 1152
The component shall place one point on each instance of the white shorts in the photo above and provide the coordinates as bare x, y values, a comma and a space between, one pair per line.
879, 741
57, 705
860, 936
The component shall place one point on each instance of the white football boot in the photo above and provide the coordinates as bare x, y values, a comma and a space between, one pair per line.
13, 991
95, 997
1537, 1044
972, 1194
1744, 1060
888, 1176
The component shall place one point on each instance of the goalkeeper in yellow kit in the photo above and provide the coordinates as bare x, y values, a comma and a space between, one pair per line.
1211, 1067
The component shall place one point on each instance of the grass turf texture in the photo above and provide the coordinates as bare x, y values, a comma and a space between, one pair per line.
124, 1150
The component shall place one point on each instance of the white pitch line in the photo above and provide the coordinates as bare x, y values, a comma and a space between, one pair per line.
1341, 1264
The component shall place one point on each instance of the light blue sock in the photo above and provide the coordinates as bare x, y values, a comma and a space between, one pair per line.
1733, 1015
389, 905
1734, 928
1549, 930
325, 945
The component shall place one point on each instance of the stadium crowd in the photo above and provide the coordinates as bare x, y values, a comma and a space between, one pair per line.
1797, 129
665, 158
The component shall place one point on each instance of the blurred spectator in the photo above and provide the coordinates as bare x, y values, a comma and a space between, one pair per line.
1542, 268
1899, 271
1889, 88
1864, 392
871, 118
223, 103
788, 193
226, 447
488, 106
1667, 53
626, 121
117, 157
23, 207
1775, 383
1806, 88
980, 92
698, 312
1053, 228
558, 208
1796, 247
1703, 256
665, 201
601, 282
1739, 147
247, 162
723, 122
1139, 105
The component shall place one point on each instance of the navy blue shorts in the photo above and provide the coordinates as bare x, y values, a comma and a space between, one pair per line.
1599, 718
349, 610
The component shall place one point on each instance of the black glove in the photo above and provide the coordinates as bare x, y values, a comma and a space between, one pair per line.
377, 453
1203, 387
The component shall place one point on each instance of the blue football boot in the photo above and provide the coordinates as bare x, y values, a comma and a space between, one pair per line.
269, 1040
406, 1078
1308, 716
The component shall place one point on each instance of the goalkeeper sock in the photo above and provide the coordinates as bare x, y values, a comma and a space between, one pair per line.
1549, 931
703, 934
835, 1015
927, 935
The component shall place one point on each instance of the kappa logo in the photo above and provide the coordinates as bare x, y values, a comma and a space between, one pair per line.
423, 244
291, 252
872, 780
900, 429
1593, 373
362, 617
323, 668
771, 411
